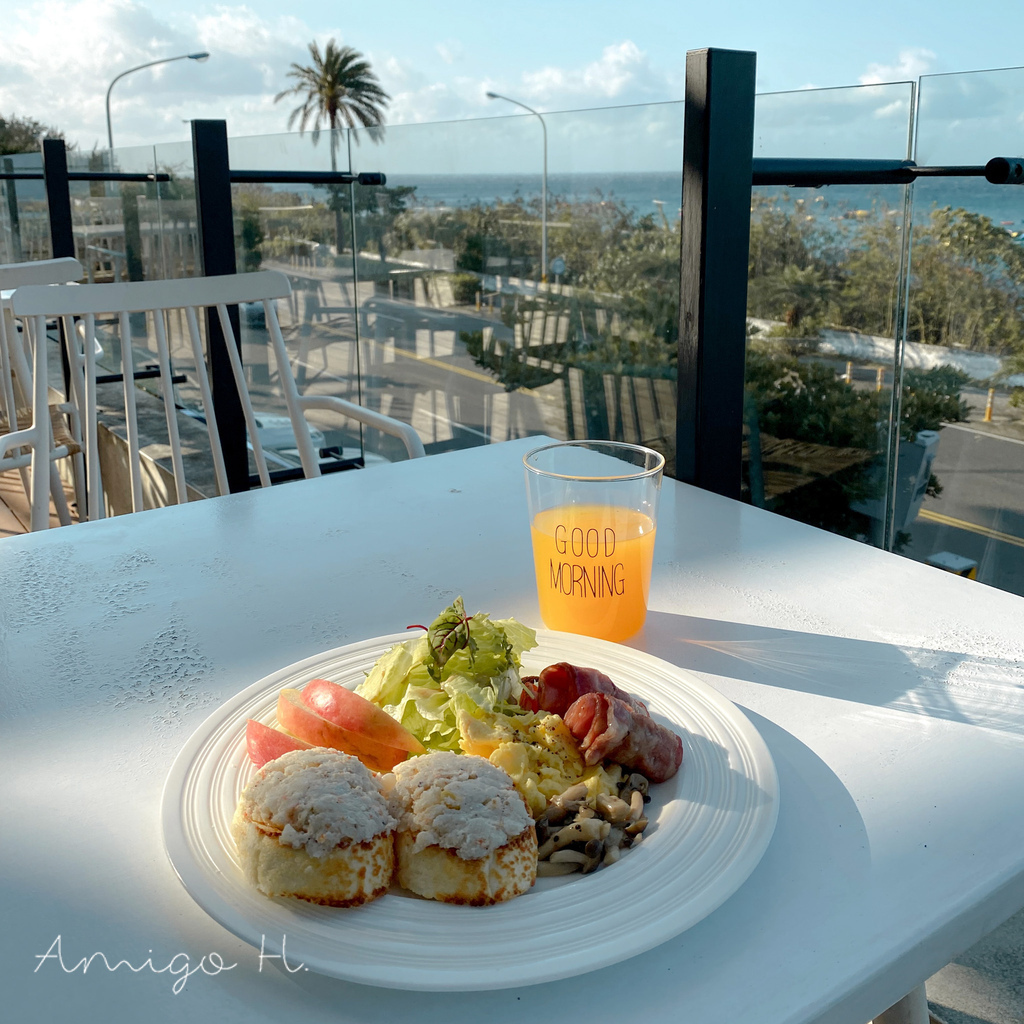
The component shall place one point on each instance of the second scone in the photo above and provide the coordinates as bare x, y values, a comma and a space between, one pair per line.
464, 832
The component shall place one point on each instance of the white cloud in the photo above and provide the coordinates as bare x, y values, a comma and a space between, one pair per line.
88, 42
450, 51
910, 65
57, 58
622, 74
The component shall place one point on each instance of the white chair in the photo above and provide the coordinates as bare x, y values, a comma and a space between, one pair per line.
26, 424
190, 295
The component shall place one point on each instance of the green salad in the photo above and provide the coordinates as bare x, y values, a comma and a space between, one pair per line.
462, 663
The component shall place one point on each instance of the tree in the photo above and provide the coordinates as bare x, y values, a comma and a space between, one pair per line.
339, 88
22, 134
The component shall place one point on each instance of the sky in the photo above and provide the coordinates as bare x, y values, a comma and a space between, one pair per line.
438, 60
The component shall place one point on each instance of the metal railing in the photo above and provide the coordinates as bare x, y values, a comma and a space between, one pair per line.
719, 171
718, 175
213, 178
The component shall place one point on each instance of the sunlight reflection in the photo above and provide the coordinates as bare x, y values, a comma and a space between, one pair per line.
976, 689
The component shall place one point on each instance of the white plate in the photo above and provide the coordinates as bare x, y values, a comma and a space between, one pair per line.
710, 825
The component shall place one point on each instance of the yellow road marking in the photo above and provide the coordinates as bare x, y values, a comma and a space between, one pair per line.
960, 524
472, 374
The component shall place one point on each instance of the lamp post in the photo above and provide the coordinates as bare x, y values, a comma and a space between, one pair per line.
200, 57
543, 185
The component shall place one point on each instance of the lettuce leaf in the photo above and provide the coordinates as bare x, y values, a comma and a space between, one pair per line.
464, 663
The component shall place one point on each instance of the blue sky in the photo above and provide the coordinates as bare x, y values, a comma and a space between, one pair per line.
438, 60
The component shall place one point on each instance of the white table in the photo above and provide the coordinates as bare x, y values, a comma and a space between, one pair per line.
891, 696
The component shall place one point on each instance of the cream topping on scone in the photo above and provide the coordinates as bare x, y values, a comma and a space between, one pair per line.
459, 802
318, 799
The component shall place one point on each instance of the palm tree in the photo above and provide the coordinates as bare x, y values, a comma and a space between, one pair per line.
338, 89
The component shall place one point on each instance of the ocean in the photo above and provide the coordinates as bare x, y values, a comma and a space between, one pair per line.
644, 192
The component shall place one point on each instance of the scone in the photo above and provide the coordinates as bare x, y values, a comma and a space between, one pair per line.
464, 832
315, 824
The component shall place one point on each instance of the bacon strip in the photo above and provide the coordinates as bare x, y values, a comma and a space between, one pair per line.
558, 686
608, 728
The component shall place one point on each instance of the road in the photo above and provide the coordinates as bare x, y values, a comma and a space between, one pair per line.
980, 513
413, 366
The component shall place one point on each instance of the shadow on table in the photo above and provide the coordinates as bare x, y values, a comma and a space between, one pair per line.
976, 689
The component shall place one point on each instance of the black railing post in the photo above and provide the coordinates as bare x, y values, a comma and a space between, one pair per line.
62, 234
718, 138
58, 198
217, 255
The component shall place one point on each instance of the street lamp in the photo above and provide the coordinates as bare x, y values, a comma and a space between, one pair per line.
200, 57
543, 185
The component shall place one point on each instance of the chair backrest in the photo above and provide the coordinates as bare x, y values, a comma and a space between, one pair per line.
58, 271
189, 295
22, 389
15, 376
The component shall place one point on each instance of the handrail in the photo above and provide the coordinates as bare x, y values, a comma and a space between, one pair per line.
307, 178
87, 176
812, 173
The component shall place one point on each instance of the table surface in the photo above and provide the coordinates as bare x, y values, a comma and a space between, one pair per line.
889, 694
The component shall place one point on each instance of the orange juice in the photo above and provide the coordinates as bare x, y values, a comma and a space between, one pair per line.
593, 566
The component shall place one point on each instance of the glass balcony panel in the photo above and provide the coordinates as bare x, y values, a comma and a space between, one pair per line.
863, 122
823, 312
24, 220
960, 499
304, 231
137, 231
462, 332
171, 208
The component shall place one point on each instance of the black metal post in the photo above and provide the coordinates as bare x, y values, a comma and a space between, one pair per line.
12, 212
718, 138
58, 198
217, 254
62, 235
130, 194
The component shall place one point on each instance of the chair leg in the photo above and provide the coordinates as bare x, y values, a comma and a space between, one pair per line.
78, 472
60, 502
40, 516
911, 1009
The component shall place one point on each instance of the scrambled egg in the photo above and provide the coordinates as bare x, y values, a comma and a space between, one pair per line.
540, 754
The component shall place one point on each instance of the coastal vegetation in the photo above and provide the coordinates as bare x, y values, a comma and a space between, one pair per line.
612, 314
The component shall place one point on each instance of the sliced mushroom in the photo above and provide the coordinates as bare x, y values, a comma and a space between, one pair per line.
589, 828
593, 852
636, 827
574, 794
568, 857
639, 783
613, 808
636, 805
549, 869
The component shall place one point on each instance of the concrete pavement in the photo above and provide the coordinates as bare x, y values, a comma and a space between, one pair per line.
985, 984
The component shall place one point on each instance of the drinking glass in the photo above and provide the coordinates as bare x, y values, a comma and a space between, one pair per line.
593, 515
